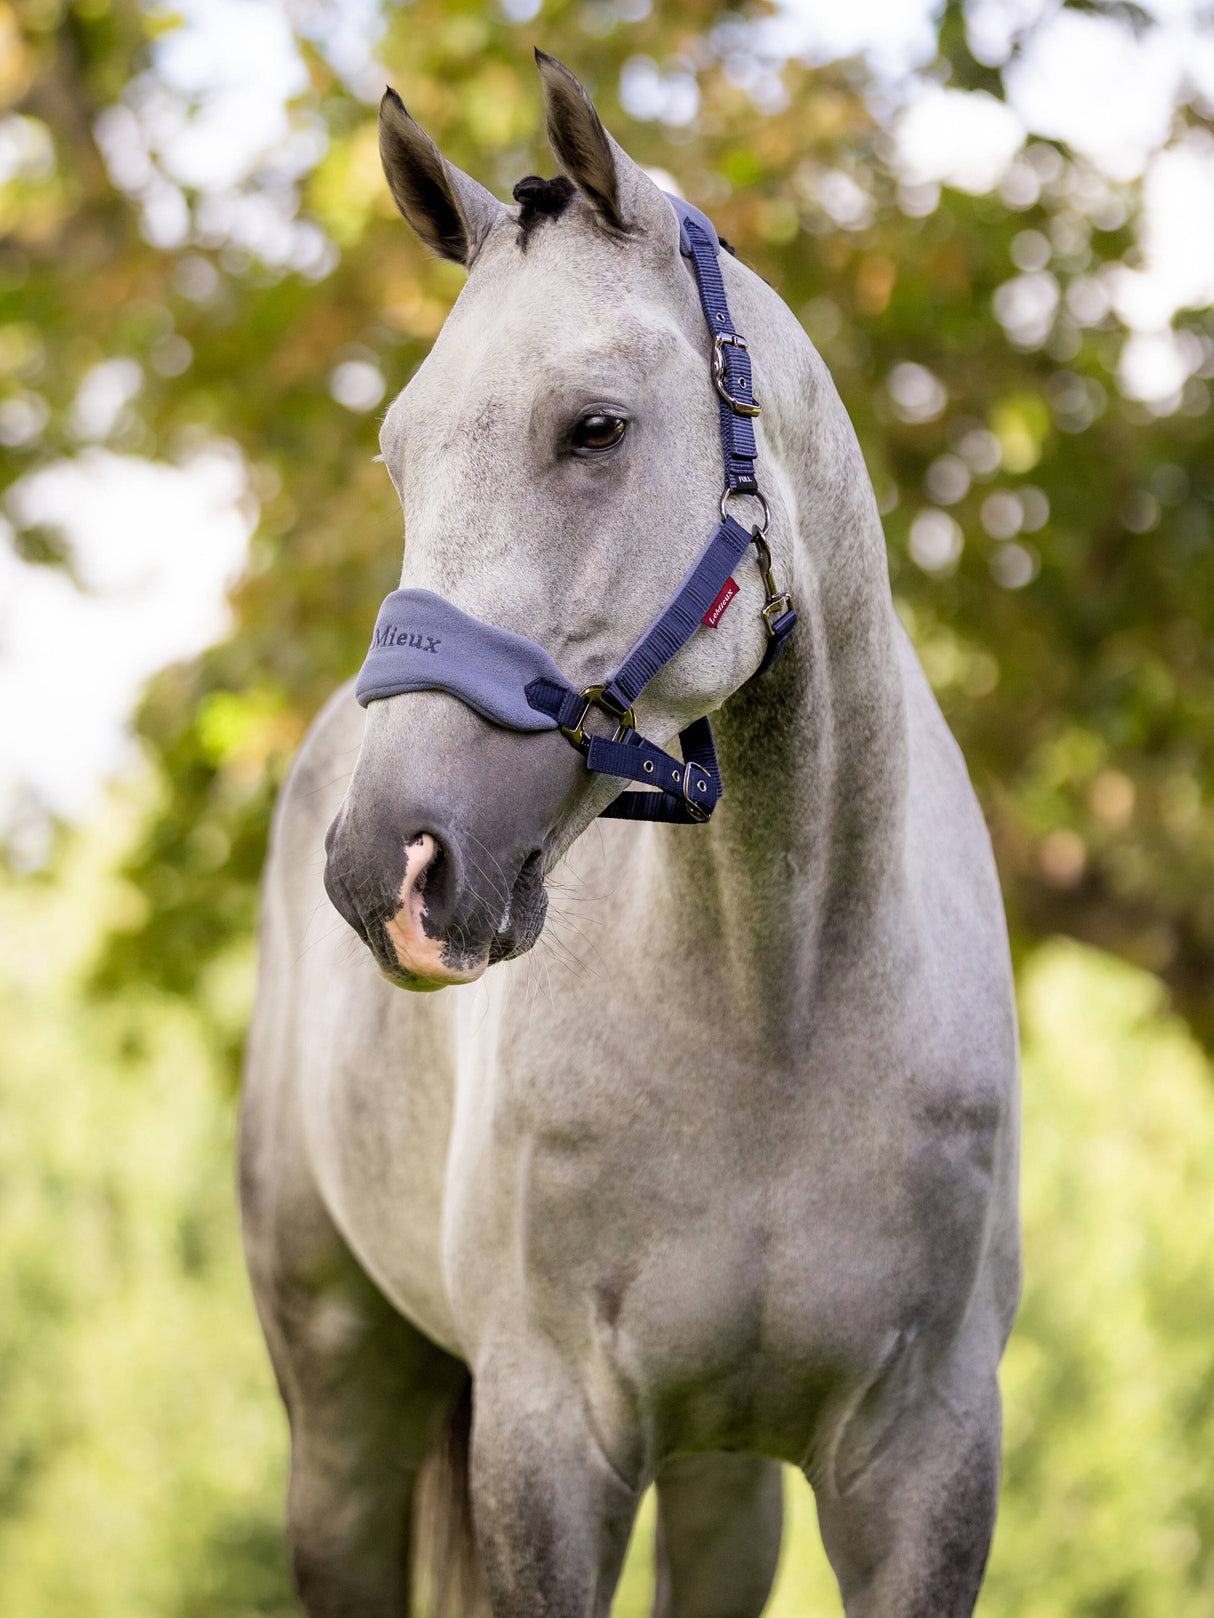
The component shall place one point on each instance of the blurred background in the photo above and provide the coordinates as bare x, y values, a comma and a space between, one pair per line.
996, 220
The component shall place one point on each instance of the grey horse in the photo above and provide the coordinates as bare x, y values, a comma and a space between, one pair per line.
723, 1177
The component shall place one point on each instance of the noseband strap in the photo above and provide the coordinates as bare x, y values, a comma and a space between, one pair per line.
424, 643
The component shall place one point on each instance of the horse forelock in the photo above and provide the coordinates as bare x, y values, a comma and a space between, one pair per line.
540, 199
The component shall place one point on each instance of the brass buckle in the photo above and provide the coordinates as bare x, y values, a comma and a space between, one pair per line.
740, 407
774, 609
593, 695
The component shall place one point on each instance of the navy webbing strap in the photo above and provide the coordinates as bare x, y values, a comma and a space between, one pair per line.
557, 699
731, 360
683, 615
778, 631
688, 789
698, 779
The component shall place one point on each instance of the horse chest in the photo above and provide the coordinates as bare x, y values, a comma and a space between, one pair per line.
721, 1313
714, 1270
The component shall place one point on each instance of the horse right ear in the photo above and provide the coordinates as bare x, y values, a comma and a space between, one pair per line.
448, 209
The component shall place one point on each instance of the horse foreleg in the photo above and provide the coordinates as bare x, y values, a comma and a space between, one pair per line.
552, 1514
367, 1396
907, 1494
720, 1518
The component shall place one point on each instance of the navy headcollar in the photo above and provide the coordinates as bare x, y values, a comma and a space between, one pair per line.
423, 643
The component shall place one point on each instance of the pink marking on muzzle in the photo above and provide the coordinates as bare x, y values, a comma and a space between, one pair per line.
418, 953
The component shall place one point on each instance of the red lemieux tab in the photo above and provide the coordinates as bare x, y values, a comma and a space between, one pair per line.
716, 612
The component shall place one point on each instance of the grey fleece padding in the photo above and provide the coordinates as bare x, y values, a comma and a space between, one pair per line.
423, 643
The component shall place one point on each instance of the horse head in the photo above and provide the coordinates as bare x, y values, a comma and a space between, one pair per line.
558, 458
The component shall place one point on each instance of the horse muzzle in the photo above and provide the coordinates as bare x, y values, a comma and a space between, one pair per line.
453, 912
436, 857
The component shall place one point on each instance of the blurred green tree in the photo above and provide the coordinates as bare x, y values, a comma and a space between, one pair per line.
142, 1443
1049, 538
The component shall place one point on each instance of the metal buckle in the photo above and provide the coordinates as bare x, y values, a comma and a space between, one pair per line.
593, 694
728, 494
776, 604
740, 407
775, 609
698, 811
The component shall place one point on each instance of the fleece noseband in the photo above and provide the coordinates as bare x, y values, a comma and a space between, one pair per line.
423, 643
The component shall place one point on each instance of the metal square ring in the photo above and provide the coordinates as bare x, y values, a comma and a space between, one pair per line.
593, 695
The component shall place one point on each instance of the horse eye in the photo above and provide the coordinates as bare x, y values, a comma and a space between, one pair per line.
598, 432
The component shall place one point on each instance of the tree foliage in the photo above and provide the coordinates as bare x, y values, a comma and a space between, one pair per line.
1068, 639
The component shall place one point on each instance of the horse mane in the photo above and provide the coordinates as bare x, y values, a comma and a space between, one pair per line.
541, 199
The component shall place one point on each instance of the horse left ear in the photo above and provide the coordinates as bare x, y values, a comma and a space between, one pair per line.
618, 189
447, 208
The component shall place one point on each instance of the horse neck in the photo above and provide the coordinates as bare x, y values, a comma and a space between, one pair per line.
805, 851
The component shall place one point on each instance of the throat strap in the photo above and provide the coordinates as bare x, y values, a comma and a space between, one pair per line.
689, 791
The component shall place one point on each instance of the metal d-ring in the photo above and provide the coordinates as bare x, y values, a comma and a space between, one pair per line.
593, 698
740, 407
754, 494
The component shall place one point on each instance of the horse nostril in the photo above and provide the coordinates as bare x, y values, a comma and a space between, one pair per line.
432, 881
430, 888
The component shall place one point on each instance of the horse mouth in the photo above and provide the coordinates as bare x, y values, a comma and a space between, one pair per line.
526, 908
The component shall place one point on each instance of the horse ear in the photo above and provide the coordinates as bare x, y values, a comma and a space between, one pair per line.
448, 209
617, 188
577, 137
